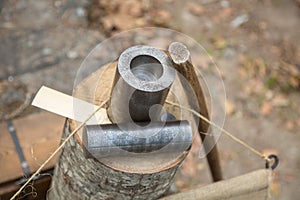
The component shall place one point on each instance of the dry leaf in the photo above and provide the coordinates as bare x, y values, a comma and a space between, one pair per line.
225, 12
294, 81
219, 43
108, 23
266, 108
242, 73
289, 125
140, 22
230, 107
280, 101
195, 9
133, 8
247, 90
269, 95
276, 50
298, 122
161, 17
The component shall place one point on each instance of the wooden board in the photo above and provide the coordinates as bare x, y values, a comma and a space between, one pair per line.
39, 135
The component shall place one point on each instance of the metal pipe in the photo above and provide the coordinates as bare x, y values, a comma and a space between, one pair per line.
126, 139
143, 77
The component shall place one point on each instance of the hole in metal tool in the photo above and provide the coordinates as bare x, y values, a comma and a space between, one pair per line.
146, 68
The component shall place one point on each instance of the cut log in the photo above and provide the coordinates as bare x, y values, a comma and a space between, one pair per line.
138, 177
79, 178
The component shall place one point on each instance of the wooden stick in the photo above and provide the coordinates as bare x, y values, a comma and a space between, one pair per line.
181, 58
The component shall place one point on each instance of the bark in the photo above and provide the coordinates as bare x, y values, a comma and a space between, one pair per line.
76, 177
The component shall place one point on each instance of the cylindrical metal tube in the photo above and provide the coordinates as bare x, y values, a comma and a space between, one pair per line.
125, 139
143, 77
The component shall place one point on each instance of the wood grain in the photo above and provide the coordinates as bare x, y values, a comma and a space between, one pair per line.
39, 135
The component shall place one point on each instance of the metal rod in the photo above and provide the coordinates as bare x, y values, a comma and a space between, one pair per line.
129, 139
19, 150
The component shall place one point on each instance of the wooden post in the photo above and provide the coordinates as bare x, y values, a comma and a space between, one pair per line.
181, 58
76, 177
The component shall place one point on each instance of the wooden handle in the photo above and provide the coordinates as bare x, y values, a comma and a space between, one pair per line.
181, 58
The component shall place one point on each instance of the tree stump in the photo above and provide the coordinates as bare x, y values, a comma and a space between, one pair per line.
139, 177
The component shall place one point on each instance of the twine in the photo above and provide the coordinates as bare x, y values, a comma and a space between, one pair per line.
234, 138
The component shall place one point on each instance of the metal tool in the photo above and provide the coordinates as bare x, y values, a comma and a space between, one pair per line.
143, 77
19, 150
126, 139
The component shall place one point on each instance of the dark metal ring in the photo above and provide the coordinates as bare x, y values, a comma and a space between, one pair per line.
275, 164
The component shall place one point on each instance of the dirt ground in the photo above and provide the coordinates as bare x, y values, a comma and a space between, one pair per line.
255, 44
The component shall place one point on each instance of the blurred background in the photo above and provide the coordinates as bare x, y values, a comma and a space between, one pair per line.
255, 44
